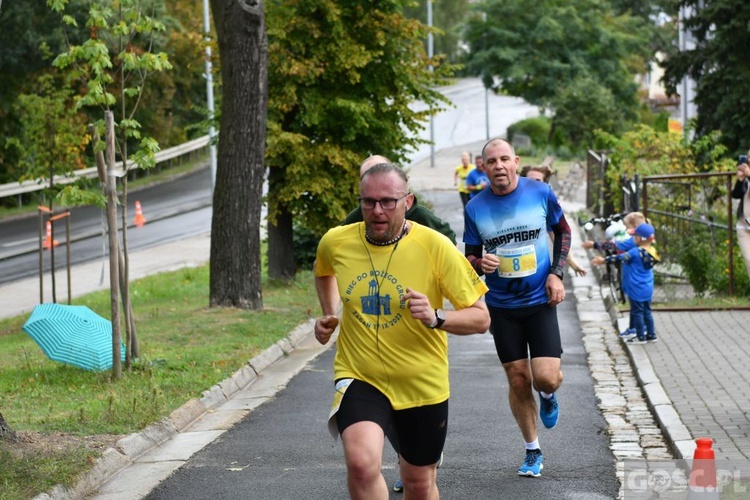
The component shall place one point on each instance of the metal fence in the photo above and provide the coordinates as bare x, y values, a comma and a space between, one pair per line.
693, 209
686, 209
18, 189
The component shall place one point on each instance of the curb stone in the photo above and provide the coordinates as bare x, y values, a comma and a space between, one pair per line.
631, 420
129, 448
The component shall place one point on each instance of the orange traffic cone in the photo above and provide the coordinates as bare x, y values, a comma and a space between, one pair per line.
703, 484
47, 244
139, 219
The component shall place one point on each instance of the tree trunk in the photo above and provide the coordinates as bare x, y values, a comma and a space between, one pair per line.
235, 269
6, 433
281, 261
114, 247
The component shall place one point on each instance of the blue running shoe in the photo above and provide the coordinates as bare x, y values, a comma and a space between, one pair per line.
532, 465
398, 486
548, 411
630, 332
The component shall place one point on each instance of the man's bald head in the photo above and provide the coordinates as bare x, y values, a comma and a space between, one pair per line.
371, 162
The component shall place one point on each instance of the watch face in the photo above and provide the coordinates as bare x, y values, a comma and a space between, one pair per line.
440, 314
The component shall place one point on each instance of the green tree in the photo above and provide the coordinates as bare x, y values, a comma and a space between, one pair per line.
646, 151
342, 77
449, 20
235, 227
29, 32
51, 138
582, 107
113, 64
720, 67
539, 49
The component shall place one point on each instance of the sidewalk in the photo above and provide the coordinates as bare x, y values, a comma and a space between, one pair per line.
695, 379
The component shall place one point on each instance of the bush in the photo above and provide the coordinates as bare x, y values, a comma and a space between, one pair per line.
536, 128
706, 265
305, 246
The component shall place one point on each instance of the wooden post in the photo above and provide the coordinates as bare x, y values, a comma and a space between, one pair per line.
730, 223
66, 215
41, 254
114, 250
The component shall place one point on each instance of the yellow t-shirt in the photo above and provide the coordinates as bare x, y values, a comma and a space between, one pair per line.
462, 173
379, 341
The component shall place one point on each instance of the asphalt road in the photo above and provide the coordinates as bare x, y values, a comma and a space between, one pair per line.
173, 210
282, 450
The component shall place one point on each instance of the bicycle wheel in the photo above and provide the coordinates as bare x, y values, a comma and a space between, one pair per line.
615, 283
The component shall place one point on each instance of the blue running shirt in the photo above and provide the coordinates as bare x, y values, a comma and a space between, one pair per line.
514, 227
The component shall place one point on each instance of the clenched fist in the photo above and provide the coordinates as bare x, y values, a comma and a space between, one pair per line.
324, 328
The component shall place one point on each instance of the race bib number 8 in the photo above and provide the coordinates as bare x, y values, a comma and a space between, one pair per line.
516, 262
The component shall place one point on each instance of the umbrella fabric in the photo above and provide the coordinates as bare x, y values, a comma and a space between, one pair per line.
74, 335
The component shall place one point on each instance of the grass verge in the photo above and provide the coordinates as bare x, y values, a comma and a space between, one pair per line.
186, 347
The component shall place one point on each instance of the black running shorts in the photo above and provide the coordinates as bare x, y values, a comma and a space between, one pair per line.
421, 431
525, 332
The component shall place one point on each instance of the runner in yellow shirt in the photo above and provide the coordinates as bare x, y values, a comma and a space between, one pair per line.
391, 364
459, 176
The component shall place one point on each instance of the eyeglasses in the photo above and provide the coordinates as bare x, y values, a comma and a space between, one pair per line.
385, 203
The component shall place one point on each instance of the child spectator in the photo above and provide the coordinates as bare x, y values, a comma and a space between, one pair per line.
631, 221
639, 261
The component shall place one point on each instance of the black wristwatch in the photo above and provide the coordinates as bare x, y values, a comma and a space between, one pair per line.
439, 319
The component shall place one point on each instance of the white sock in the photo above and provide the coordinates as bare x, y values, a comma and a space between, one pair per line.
545, 395
534, 445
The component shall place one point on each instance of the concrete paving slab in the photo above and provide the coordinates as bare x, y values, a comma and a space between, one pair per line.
138, 480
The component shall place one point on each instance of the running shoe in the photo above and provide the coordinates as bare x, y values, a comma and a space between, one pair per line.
548, 411
398, 486
652, 338
630, 332
636, 340
532, 464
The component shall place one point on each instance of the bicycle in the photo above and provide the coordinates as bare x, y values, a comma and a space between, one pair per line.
614, 230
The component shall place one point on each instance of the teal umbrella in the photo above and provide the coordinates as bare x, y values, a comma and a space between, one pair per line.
74, 335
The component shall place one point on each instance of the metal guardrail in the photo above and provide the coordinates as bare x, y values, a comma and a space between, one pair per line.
17, 188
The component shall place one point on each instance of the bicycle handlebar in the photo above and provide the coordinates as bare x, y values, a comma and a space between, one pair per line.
606, 220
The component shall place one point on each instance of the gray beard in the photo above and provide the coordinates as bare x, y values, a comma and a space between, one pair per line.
380, 238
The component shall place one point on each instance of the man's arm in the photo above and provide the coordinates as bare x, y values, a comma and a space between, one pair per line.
466, 321
473, 254
328, 296
561, 246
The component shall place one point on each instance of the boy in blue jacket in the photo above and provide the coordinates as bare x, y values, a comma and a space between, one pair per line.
639, 261
631, 221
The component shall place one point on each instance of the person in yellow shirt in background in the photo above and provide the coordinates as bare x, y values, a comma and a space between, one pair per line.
459, 177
